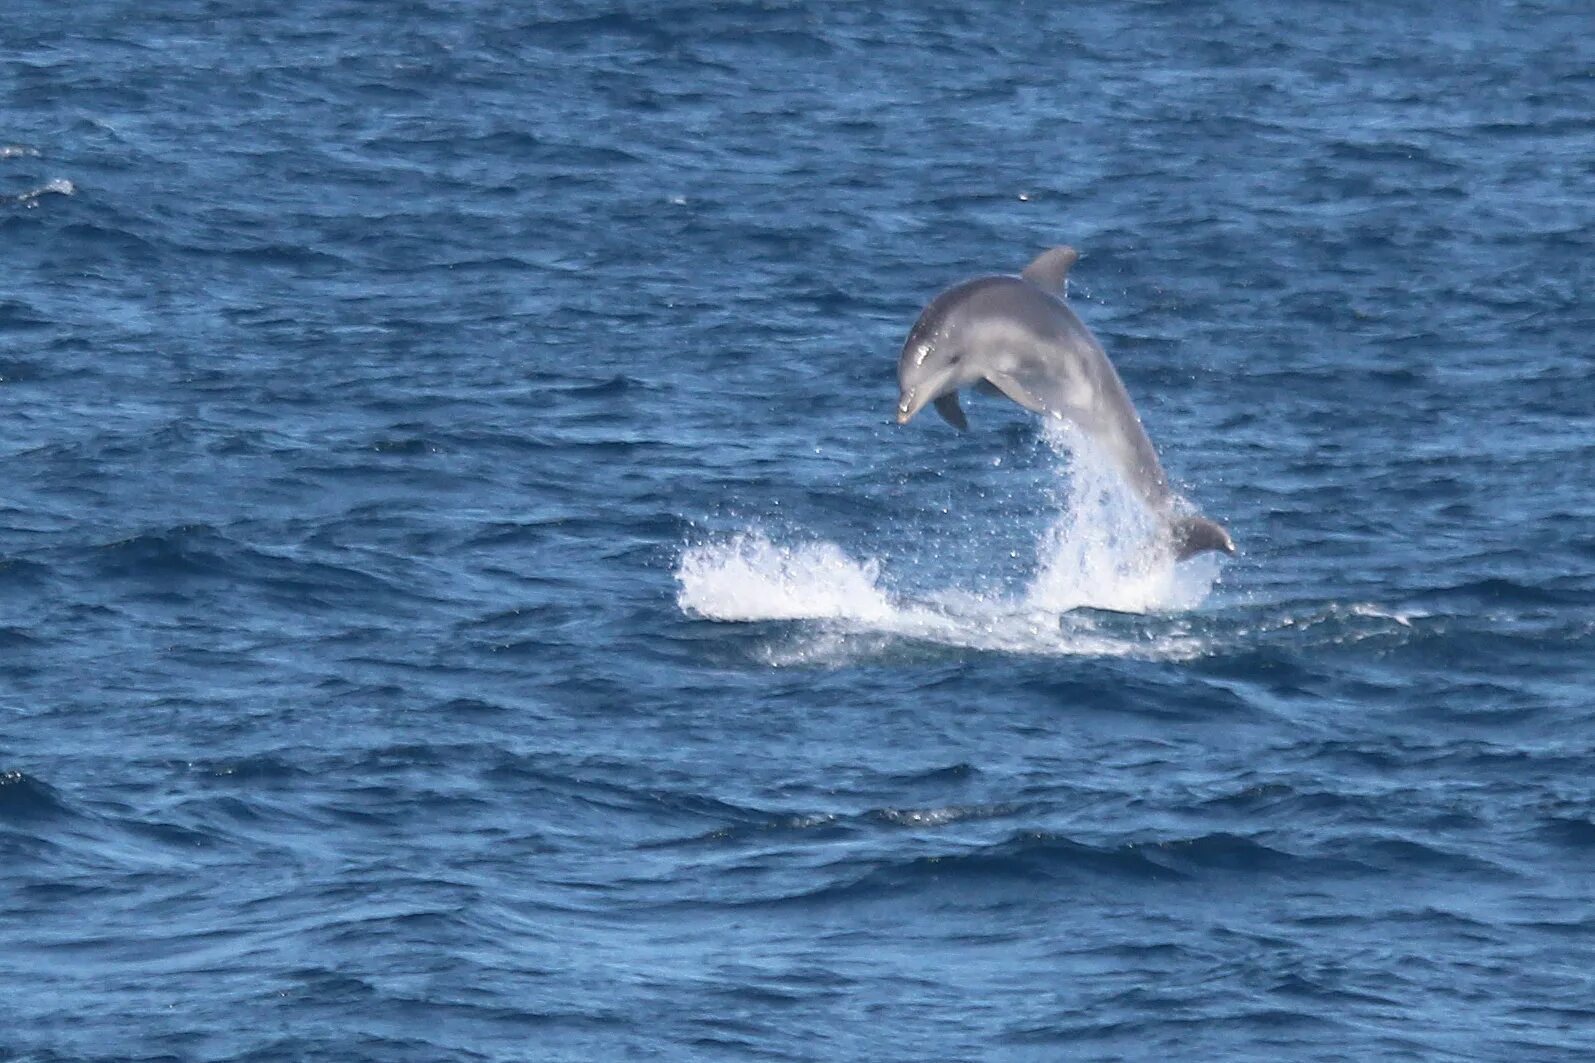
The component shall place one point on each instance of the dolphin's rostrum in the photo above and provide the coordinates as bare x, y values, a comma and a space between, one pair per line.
1016, 336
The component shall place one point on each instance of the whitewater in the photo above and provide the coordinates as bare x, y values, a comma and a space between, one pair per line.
1101, 551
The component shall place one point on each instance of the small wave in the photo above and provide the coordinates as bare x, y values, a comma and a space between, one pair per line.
618, 384
60, 187
832, 826
940, 817
25, 799
1573, 832
951, 773
1031, 859
264, 769
1340, 623
17, 638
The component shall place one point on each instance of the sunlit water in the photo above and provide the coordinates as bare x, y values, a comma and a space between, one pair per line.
463, 595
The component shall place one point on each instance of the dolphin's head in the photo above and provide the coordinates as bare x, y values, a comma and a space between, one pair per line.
929, 366
922, 382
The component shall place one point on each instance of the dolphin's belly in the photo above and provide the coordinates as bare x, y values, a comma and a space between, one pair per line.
1066, 369
1060, 375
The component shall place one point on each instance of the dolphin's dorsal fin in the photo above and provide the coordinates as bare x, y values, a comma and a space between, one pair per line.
1050, 268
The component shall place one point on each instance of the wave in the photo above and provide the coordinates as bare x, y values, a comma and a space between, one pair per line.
1029, 860
60, 186
1103, 551
26, 799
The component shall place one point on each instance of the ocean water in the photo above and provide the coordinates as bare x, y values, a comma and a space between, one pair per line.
463, 595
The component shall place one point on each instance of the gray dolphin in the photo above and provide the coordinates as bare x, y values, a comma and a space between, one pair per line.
1017, 337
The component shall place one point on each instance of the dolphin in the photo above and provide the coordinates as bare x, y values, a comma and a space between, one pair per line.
1016, 336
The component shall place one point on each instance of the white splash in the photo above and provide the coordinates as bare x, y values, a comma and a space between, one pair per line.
750, 578
1103, 551
1106, 550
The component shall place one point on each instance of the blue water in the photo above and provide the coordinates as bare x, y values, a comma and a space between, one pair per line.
462, 595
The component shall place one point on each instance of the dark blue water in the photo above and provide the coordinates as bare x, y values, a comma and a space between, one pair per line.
462, 596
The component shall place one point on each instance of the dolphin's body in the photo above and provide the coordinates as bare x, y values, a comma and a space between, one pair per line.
1016, 336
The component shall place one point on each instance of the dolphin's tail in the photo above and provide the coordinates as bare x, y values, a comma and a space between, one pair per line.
1195, 535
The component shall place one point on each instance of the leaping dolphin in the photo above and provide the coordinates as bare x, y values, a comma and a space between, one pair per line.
1016, 336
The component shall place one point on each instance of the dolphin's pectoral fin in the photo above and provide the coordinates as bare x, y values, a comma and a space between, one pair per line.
1050, 268
1016, 391
951, 412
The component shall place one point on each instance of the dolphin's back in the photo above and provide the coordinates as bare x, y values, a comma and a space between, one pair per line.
1030, 345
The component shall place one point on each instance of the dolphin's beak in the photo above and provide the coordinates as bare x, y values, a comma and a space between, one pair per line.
907, 407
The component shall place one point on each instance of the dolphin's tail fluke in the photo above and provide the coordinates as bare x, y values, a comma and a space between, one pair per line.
1196, 535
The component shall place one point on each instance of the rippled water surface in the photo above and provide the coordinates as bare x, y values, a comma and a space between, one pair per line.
462, 595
